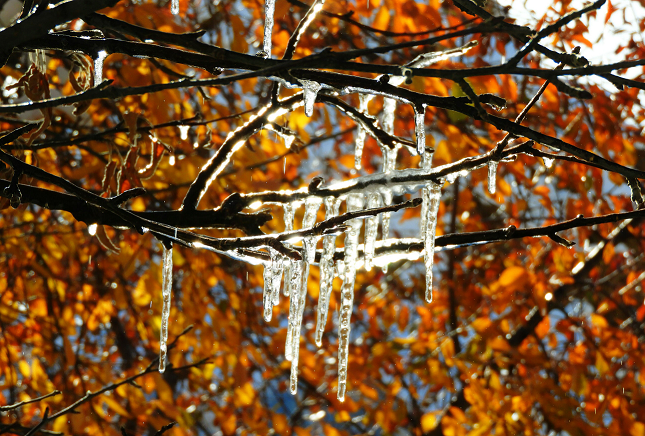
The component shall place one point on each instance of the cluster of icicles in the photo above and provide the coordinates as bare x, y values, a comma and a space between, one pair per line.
291, 276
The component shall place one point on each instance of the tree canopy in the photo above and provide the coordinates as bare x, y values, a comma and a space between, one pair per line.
381, 217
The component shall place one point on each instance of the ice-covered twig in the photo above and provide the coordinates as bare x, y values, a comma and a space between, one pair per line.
302, 26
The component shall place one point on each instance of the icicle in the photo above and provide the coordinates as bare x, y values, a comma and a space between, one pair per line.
426, 164
385, 217
389, 106
183, 132
420, 129
272, 278
298, 287
309, 248
310, 89
269, 10
166, 288
354, 202
492, 175
174, 7
312, 204
360, 135
326, 270
371, 227
98, 67
294, 299
431, 198
278, 267
548, 162
289, 214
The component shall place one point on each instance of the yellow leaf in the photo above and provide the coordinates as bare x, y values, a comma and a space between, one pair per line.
244, 395
637, 429
228, 423
512, 276
280, 423
428, 422
601, 364
382, 19
114, 405
481, 324
24, 369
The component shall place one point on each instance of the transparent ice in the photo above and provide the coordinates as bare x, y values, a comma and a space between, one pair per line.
492, 176
360, 135
431, 196
332, 207
166, 289
269, 10
98, 67
310, 89
354, 202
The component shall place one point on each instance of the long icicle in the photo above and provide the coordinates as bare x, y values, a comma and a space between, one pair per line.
269, 10
166, 288
431, 196
492, 176
332, 206
268, 295
312, 205
289, 213
371, 228
354, 202
420, 129
360, 135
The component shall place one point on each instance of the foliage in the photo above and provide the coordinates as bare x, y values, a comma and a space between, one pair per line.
527, 334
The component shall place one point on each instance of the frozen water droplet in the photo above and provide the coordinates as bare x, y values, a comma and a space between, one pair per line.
548, 162
183, 132
310, 89
174, 7
166, 289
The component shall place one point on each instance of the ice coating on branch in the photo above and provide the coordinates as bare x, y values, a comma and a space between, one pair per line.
492, 176
371, 227
98, 67
269, 10
431, 196
166, 289
289, 214
310, 89
360, 135
332, 207
354, 202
